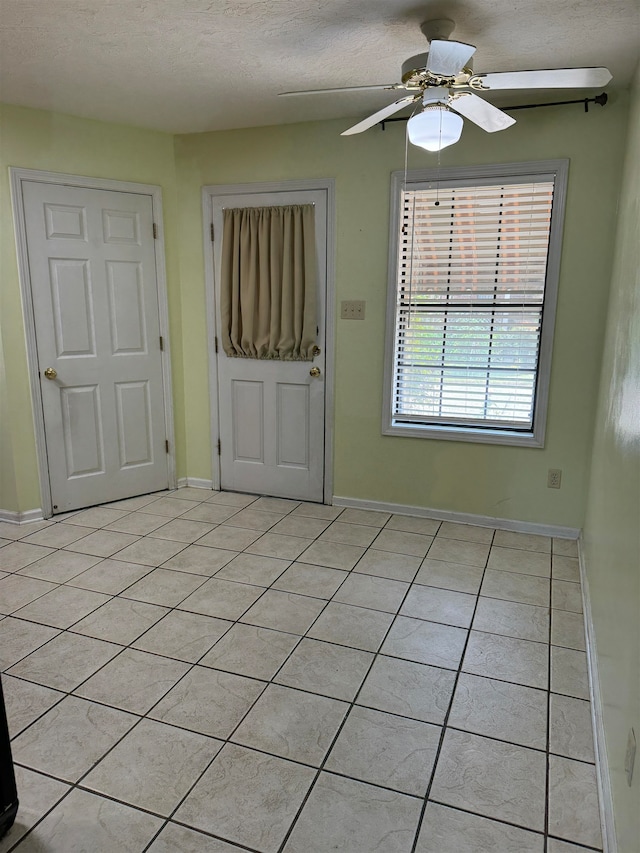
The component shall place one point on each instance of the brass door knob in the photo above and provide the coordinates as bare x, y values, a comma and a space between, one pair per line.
315, 371
51, 373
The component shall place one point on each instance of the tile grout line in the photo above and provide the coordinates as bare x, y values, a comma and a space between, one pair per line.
548, 733
347, 714
449, 707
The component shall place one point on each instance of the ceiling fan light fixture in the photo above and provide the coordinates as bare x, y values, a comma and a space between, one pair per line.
435, 127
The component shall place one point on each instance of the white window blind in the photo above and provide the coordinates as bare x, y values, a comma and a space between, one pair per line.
470, 292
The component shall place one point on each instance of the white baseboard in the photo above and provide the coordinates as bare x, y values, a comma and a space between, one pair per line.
12, 517
462, 518
605, 797
194, 482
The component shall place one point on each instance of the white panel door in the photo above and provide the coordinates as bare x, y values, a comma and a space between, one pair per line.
272, 412
93, 280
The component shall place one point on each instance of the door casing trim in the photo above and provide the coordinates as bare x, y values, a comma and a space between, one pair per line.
17, 177
209, 193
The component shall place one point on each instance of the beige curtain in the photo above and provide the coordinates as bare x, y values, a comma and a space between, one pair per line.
268, 282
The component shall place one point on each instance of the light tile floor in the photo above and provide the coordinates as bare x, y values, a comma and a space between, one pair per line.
198, 672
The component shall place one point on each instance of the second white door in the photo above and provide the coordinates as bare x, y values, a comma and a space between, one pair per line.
272, 413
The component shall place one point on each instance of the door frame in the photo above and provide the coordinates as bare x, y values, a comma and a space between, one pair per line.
217, 191
17, 177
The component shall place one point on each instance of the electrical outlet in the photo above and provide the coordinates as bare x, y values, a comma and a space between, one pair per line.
554, 478
352, 309
630, 756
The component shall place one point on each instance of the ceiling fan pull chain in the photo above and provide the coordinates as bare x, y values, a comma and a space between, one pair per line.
406, 156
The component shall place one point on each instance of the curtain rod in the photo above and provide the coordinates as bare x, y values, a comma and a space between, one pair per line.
598, 99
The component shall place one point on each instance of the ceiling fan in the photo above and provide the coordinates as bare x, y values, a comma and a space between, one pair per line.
442, 85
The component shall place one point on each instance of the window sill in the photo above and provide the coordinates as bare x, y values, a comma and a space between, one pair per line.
476, 436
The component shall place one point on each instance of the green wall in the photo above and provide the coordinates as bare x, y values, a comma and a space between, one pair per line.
36, 139
491, 480
612, 528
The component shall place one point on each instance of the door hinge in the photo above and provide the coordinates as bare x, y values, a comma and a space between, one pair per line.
216, 342
211, 232
155, 231
219, 447
166, 445
161, 344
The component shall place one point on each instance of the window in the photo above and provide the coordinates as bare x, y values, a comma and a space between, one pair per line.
473, 276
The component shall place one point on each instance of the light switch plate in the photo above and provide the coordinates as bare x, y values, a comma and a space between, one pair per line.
352, 309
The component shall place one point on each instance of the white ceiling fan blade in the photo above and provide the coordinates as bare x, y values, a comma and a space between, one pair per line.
380, 115
448, 58
557, 78
480, 112
343, 89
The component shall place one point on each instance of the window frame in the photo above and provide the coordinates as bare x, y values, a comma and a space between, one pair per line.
555, 170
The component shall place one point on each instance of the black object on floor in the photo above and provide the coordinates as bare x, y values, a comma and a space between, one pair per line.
8, 790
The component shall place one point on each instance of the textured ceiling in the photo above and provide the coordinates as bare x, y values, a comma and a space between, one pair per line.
193, 65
